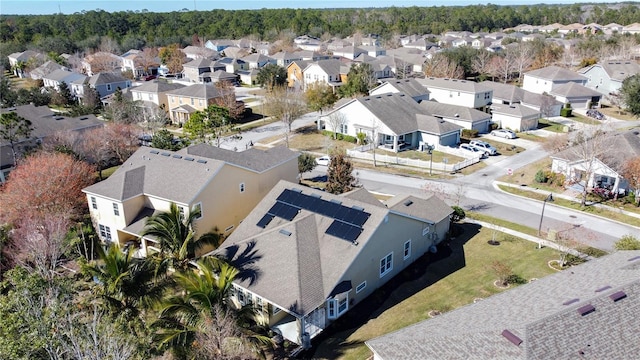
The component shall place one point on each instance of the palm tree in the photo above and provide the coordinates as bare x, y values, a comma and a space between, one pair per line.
129, 285
176, 236
187, 317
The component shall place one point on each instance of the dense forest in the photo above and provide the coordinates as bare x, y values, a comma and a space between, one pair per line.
81, 31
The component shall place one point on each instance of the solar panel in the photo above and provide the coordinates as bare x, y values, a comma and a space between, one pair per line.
343, 231
283, 210
266, 219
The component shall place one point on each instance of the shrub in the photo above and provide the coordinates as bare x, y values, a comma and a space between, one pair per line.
469, 133
591, 251
541, 177
458, 214
627, 242
339, 136
362, 138
566, 112
502, 271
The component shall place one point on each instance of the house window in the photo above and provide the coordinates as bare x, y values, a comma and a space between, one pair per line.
240, 296
197, 208
343, 305
361, 286
173, 99
275, 310
116, 211
181, 211
105, 232
200, 102
407, 249
426, 230
241, 187
193, 101
94, 203
386, 264
343, 128
331, 309
108, 87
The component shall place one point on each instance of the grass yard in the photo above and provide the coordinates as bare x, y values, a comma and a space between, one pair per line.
584, 119
434, 284
526, 175
504, 148
531, 137
549, 125
617, 113
422, 155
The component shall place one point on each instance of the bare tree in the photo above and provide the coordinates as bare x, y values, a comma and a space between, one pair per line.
227, 100
441, 66
522, 59
103, 62
336, 120
286, 105
481, 63
590, 147
502, 66
148, 58
153, 118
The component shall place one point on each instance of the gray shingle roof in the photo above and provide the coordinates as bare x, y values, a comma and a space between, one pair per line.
410, 87
157, 87
199, 63
159, 175
298, 271
329, 66
572, 89
616, 70
106, 78
252, 159
454, 84
457, 112
433, 125
514, 110
431, 208
556, 73
506, 92
200, 91
397, 111
540, 314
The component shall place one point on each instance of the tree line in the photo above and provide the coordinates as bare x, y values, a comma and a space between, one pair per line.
79, 31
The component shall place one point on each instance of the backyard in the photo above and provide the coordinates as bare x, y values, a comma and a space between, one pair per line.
441, 282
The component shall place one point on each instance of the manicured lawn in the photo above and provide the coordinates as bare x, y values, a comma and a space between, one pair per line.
617, 113
422, 155
549, 125
504, 148
432, 284
584, 119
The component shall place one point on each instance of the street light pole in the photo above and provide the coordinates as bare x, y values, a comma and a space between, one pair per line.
544, 203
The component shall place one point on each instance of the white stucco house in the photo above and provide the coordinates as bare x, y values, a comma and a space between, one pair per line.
516, 117
546, 79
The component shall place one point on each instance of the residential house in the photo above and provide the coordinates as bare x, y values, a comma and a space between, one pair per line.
516, 117
257, 61
550, 28
186, 100
608, 163
410, 87
224, 185
133, 61
481, 43
235, 52
154, 92
465, 117
580, 97
533, 37
464, 41
100, 61
411, 59
458, 92
309, 43
221, 75
631, 29
198, 70
612, 28
545, 79
349, 52
232, 65
45, 69
392, 121
104, 84
55, 78
295, 77
373, 50
45, 123
508, 94
284, 58
583, 312
219, 45
420, 44
21, 62
307, 55
381, 70
571, 28
249, 77
323, 71
319, 254
200, 52
606, 77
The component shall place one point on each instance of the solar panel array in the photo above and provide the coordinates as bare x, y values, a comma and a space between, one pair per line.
347, 223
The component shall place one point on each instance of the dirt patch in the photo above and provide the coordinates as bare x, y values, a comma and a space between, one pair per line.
500, 285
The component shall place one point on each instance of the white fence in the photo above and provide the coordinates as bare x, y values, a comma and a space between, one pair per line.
438, 166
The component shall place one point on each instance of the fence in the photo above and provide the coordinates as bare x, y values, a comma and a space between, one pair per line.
438, 166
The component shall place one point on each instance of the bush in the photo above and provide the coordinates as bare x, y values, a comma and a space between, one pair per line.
627, 242
339, 136
591, 251
469, 133
566, 112
458, 214
541, 177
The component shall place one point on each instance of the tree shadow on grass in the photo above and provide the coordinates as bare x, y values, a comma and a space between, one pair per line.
425, 271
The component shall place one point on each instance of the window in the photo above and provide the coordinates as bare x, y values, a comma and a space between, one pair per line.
150, 96
407, 249
361, 286
241, 187
343, 128
343, 305
105, 232
197, 208
180, 101
331, 309
94, 203
193, 101
275, 310
173, 99
108, 87
181, 211
200, 102
116, 211
425, 231
386, 264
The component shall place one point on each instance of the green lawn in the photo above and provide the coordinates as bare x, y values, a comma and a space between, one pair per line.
443, 285
504, 148
549, 125
584, 119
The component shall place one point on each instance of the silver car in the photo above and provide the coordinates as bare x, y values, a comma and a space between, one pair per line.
505, 133
484, 147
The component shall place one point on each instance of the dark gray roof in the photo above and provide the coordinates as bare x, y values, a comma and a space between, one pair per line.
544, 315
200, 91
160, 174
251, 159
46, 122
410, 87
456, 112
199, 63
556, 73
619, 70
514, 110
106, 78
46, 68
157, 86
433, 125
64, 75
329, 66
510, 93
396, 110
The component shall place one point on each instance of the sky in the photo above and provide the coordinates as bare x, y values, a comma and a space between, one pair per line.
38, 7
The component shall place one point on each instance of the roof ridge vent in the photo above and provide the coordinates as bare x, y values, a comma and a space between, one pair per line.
569, 302
617, 296
285, 232
515, 340
603, 288
586, 309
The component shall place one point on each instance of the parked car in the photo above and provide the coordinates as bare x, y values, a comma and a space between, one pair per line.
149, 77
323, 160
474, 151
484, 147
505, 133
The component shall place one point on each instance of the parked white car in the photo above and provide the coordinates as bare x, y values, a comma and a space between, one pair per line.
484, 146
472, 150
323, 160
505, 133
